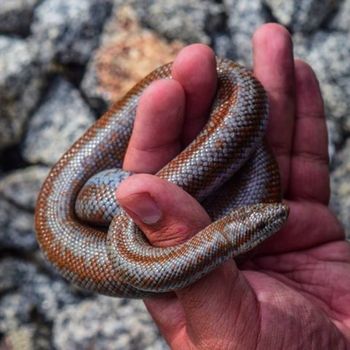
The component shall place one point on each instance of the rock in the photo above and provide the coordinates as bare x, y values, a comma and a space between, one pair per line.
11, 11
69, 31
19, 338
341, 19
340, 185
22, 186
107, 323
244, 17
303, 15
327, 55
336, 103
17, 228
38, 309
20, 87
30, 295
18, 191
49, 294
13, 272
335, 138
59, 121
224, 47
42, 336
187, 20
15, 311
128, 52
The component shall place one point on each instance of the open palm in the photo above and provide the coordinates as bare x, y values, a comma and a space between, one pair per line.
294, 292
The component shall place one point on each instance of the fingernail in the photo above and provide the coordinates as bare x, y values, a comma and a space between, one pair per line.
143, 207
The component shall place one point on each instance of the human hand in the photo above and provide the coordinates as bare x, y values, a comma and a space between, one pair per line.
294, 293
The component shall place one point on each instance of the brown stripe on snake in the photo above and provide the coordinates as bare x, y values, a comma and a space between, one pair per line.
116, 259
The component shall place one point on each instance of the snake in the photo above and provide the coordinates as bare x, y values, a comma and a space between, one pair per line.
228, 168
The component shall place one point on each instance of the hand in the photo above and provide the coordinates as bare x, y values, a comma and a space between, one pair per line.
294, 293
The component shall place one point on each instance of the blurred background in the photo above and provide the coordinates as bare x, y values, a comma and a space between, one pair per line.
62, 63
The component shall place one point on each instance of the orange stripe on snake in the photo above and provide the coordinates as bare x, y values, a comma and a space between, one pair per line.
227, 168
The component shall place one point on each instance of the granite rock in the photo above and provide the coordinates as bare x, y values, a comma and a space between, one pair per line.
341, 19
68, 31
21, 338
61, 118
223, 46
106, 323
38, 309
15, 311
18, 191
49, 294
128, 52
187, 20
244, 17
17, 227
13, 272
11, 11
30, 294
303, 15
335, 139
22, 186
20, 87
340, 187
327, 54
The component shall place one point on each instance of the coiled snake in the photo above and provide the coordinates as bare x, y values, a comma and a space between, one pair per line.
227, 168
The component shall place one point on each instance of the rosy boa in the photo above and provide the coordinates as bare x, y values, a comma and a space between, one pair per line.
227, 168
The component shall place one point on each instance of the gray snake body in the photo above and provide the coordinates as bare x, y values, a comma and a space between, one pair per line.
227, 168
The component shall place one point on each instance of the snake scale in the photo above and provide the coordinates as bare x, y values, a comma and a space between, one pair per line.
228, 168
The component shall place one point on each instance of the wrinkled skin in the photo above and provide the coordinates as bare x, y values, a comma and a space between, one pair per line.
293, 291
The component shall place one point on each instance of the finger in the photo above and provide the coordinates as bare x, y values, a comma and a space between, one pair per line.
169, 316
225, 299
309, 176
141, 158
211, 300
150, 202
170, 225
274, 67
155, 139
195, 69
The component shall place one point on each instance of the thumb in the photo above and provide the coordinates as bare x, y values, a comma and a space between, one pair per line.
165, 213
169, 216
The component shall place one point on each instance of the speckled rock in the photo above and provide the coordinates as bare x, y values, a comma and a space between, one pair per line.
335, 139
13, 272
17, 227
68, 31
30, 294
340, 185
20, 84
244, 17
59, 121
38, 309
21, 338
187, 20
302, 15
15, 311
328, 55
11, 11
336, 103
223, 46
22, 186
49, 294
106, 323
128, 52
341, 18
18, 191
